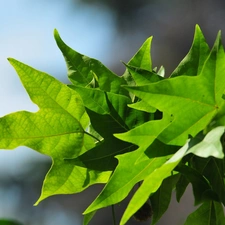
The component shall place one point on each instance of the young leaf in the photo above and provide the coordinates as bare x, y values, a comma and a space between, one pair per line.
193, 62
57, 129
82, 70
177, 96
142, 59
123, 178
142, 106
210, 145
112, 107
67, 178
151, 183
143, 77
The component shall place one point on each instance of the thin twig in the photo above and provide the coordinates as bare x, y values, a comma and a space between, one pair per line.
114, 215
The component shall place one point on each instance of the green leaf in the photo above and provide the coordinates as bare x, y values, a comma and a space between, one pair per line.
57, 129
201, 187
192, 112
67, 178
142, 106
213, 170
161, 198
123, 178
141, 76
151, 183
116, 117
82, 70
8, 222
161, 71
88, 217
129, 130
102, 157
112, 107
181, 186
154, 180
146, 133
142, 59
210, 145
59, 123
212, 188
193, 63
209, 212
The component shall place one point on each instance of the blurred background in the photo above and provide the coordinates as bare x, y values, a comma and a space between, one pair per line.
110, 31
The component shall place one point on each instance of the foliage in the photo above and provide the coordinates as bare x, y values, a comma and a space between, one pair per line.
139, 129
8, 222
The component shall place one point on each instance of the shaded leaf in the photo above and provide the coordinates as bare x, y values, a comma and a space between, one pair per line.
88, 217
209, 212
201, 187
213, 170
181, 186
143, 77
123, 178
151, 184
161, 198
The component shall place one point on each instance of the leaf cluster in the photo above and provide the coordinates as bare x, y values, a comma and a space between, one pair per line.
138, 133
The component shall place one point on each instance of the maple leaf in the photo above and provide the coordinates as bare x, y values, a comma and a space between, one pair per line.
152, 153
106, 101
57, 129
210, 212
193, 101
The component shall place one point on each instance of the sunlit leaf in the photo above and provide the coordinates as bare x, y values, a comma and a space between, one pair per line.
194, 61
151, 184
82, 70
177, 96
57, 129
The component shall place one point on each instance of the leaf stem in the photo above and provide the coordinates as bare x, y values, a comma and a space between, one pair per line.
114, 215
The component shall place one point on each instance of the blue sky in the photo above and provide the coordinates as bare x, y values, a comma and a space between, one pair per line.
26, 31
26, 34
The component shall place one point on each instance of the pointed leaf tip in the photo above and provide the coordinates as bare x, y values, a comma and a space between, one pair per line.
12, 61
197, 27
55, 32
